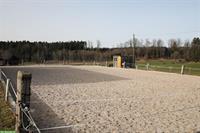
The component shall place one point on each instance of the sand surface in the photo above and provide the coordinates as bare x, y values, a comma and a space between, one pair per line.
101, 99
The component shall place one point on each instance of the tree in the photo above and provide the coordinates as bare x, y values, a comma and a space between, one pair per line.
174, 48
98, 44
186, 53
195, 49
147, 45
160, 50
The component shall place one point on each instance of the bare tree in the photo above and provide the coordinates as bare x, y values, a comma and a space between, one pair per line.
186, 53
98, 44
147, 45
159, 52
174, 47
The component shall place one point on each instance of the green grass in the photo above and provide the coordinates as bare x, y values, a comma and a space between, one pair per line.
7, 131
7, 118
191, 68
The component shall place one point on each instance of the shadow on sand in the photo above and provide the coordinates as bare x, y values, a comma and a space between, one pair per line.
45, 117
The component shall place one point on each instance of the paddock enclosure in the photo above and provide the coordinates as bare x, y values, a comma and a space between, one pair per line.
101, 99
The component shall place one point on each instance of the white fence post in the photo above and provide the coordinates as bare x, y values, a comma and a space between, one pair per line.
7, 87
136, 67
147, 66
182, 69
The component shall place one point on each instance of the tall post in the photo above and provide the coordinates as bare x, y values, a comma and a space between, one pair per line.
133, 46
136, 67
7, 87
84, 48
23, 100
147, 66
63, 54
182, 69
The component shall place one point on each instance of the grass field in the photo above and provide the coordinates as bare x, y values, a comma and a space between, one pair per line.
191, 68
7, 118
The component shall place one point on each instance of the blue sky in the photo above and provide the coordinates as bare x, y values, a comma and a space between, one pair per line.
110, 21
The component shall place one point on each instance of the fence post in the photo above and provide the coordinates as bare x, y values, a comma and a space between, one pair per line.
106, 63
7, 87
23, 100
147, 66
182, 69
136, 67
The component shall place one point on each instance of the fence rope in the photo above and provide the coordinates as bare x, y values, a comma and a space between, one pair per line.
10, 83
4, 74
61, 127
112, 99
142, 116
168, 67
13, 89
196, 69
26, 128
33, 122
25, 110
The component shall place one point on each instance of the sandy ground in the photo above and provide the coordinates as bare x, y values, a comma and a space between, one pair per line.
101, 99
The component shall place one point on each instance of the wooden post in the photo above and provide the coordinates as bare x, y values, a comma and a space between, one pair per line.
182, 69
106, 63
23, 100
7, 87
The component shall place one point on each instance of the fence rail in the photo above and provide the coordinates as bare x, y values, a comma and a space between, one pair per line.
10, 91
172, 69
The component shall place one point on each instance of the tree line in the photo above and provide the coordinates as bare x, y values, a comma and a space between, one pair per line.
26, 51
155, 49
17, 52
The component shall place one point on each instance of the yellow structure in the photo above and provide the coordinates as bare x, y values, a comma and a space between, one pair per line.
117, 61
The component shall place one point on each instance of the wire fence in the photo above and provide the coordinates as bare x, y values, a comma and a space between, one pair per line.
9, 87
182, 69
11, 92
163, 68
